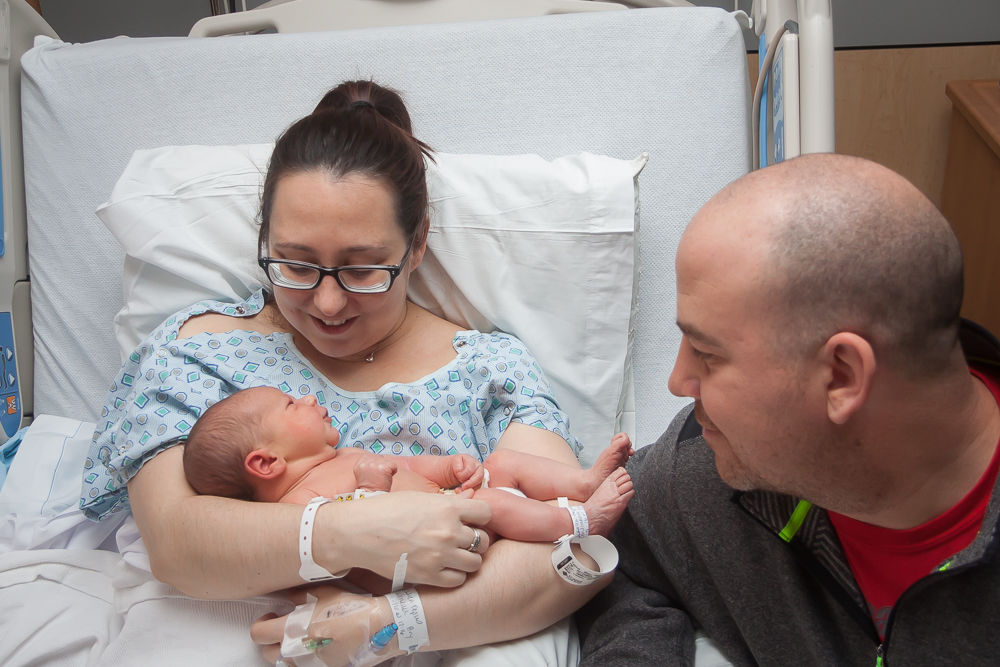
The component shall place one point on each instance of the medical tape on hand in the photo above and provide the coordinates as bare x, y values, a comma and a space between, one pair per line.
408, 613
572, 570
309, 570
581, 524
563, 501
294, 644
368, 652
399, 574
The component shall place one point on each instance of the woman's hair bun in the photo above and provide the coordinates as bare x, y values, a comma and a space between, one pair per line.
358, 127
362, 95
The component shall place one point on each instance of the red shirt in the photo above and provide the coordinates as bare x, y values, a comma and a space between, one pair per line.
886, 562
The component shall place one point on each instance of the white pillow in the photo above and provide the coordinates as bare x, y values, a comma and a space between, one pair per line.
542, 250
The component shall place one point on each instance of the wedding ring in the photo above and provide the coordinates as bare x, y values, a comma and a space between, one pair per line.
475, 541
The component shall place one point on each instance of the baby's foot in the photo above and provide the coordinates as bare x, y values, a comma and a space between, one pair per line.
374, 473
605, 507
613, 457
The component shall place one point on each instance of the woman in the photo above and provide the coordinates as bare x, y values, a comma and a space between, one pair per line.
345, 188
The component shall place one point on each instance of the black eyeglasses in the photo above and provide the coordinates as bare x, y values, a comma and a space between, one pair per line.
359, 279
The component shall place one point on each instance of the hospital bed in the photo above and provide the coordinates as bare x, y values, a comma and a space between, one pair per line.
550, 77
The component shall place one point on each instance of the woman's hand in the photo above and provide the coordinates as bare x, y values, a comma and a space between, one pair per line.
431, 529
349, 620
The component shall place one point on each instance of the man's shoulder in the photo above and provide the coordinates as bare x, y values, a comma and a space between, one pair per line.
681, 445
677, 472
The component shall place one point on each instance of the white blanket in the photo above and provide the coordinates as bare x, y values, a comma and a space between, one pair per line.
75, 592
95, 609
56, 607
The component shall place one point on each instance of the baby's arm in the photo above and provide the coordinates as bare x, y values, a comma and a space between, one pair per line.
349, 470
446, 471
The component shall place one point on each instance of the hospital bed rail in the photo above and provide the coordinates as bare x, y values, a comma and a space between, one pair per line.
19, 25
320, 15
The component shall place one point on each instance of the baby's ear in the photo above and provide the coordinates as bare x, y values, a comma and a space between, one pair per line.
264, 464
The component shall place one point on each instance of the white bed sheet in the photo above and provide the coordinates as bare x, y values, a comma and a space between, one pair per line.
670, 82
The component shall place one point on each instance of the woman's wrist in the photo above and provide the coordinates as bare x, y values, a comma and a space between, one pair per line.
329, 538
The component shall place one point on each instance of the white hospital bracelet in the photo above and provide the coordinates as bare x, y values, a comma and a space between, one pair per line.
408, 613
309, 570
575, 572
581, 524
399, 574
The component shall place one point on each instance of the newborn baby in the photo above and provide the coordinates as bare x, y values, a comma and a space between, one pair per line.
261, 444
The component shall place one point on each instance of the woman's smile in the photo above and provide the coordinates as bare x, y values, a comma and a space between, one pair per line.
333, 327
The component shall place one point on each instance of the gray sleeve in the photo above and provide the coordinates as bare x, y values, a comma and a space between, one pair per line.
635, 621
639, 620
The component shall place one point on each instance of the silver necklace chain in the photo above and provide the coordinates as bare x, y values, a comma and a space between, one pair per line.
378, 346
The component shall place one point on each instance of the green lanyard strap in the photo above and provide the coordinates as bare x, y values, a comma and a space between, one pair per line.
796, 520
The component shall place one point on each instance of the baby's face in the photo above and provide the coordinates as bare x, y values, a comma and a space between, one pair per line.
299, 427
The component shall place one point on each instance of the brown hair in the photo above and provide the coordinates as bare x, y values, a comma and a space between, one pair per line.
217, 446
358, 127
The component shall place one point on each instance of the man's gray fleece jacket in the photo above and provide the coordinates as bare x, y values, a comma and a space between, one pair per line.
696, 554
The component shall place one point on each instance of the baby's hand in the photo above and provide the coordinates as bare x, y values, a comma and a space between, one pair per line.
468, 471
374, 473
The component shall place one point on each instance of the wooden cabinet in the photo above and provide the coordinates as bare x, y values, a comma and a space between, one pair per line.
971, 196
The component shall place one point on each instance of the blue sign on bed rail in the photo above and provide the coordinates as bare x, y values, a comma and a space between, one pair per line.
10, 392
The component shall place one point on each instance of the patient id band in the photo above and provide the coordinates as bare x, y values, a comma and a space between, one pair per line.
408, 613
309, 569
581, 524
399, 574
572, 570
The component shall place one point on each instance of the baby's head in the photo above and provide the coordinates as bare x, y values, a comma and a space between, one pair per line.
257, 442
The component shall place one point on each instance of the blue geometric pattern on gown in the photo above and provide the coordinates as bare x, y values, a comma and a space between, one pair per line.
166, 383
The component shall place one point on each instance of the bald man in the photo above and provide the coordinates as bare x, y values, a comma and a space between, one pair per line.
831, 496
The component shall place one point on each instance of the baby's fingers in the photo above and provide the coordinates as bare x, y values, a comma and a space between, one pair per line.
476, 479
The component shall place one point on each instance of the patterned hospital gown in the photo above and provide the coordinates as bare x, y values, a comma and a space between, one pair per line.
166, 383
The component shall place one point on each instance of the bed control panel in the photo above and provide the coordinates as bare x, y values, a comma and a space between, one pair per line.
10, 391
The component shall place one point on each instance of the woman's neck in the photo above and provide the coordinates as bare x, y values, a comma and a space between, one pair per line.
422, 345
404, 323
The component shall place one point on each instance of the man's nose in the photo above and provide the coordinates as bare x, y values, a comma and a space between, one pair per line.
684, 381
328, 297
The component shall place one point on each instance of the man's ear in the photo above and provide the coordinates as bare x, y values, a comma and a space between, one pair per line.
264, 464
850, 363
